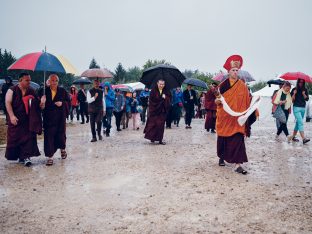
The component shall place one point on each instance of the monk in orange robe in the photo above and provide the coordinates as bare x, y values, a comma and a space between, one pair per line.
230, 141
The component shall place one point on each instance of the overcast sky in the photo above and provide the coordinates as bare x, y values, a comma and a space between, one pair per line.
273, 36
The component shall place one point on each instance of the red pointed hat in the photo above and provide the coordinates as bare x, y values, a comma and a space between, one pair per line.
233, 61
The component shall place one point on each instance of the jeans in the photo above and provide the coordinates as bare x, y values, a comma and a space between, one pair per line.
283, 126
299, 114
107, 120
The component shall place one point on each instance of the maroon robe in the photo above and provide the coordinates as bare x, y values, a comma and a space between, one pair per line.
211, 110
157, 114
21, 140
54, 121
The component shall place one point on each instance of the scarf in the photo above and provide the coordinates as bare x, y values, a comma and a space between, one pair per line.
245, 114
278, 98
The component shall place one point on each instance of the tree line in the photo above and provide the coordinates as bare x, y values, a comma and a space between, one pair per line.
120, 73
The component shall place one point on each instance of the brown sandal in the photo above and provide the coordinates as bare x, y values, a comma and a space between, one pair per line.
49, 162
63, 154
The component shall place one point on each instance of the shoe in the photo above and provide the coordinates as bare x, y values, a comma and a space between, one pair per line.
177, 125
93, 139
213, 131
162, 143
305, 140
138, 128
107, 134
123, 127
152, 141
241, 170
63, 154
27, 162
118, 129
87, 121
289, 138
100, 137
190, 126
295, 139
221, 162
82, 123
187, 127
22, 161
49, 162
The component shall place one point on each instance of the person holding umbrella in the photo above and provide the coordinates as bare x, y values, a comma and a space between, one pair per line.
299, 96
96, 108
55, 105
159, 104
190, 100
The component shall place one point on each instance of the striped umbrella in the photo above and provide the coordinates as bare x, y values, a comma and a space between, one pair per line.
43, 61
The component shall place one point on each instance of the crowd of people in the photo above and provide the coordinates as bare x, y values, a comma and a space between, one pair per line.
228, 108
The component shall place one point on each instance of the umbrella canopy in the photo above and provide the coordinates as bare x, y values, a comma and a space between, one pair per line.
219, 77
296, 76
43, 61
123, 88
275, 82
82, 80
170, 74
97, 73
196, 82
245, 75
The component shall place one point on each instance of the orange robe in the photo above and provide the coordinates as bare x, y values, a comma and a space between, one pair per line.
238, 99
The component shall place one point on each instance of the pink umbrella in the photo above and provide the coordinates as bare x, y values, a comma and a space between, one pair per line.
219, 77
97, 73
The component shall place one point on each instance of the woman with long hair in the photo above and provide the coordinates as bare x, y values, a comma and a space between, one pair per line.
299, 96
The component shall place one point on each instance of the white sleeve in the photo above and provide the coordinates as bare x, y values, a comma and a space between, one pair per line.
104, 103
89, 98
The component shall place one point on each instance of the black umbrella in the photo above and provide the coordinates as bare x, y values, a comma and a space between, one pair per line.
275, 82
170, 74
196, 82
82, 81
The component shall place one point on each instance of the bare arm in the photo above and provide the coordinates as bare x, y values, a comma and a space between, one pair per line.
8, 105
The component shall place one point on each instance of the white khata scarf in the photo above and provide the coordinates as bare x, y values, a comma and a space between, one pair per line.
255, 101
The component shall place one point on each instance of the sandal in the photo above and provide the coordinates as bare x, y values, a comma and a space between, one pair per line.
63, 154
49, 162
241, 170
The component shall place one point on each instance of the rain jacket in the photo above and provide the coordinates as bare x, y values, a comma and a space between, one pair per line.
110, 96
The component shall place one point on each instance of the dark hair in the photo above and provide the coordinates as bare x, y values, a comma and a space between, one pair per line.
297, 85
287, 84
21, 75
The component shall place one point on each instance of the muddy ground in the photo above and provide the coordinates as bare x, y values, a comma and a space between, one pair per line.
124, 184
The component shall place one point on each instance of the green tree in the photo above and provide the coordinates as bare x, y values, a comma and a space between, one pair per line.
93, 64
6, 59
257, 86
133, 74
151, 63
120, 74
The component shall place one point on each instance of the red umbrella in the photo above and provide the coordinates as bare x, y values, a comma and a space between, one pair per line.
296, 76
97, 73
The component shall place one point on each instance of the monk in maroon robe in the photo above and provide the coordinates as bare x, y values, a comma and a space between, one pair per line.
55, 111
211, 109
159, 104
24, 121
